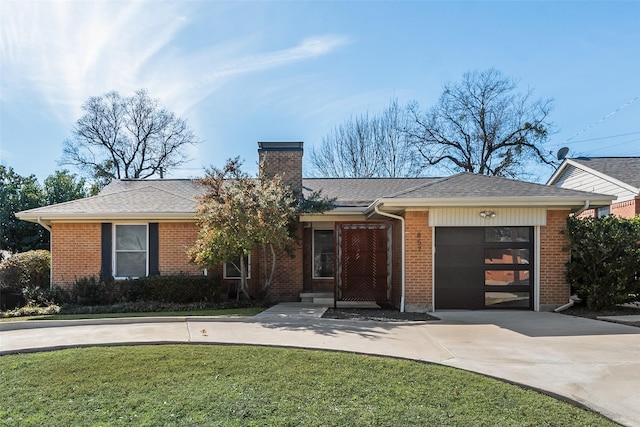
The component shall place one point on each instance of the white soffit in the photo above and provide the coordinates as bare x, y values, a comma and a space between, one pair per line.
471, 217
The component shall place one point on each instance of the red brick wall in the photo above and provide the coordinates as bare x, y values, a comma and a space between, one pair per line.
289, 277
285, 162
419, 261
289, 274
589, 213
75, 252
554, 289
175, 238
628, 209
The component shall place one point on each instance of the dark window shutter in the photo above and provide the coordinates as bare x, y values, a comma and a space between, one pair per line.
154, 268
107, 251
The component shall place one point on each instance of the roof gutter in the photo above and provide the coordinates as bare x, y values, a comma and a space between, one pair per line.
401, 219
45, 226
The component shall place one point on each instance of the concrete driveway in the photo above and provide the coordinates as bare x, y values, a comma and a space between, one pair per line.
592, 362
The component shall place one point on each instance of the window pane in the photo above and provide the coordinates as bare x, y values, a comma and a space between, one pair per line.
131, 237
506, 277
506, 234
323, 255
506, 299
506, 256
232, 268
323, 265
131, 264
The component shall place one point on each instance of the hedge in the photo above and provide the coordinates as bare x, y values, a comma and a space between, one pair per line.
24, 279
182, 289
605, 260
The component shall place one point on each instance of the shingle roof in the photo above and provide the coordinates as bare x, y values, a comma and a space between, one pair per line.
468, 185
625, 169
131, 197
170, 198
360, 191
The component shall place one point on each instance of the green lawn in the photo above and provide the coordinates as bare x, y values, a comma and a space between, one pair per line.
243, 311
189, 385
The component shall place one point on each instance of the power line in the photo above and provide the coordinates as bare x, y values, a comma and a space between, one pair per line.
606, 137
604, 118
607, 147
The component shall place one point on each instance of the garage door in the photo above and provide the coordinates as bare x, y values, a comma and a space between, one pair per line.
484, 267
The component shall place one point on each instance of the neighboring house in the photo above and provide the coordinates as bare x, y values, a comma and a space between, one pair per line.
461, 242
617, 176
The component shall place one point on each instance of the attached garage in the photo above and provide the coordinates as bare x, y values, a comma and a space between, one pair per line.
484, 267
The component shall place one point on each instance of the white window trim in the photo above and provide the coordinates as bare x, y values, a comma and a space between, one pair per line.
114, 252
313, 252
224, 269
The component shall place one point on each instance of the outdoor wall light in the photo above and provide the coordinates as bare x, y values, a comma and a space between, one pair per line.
487, 214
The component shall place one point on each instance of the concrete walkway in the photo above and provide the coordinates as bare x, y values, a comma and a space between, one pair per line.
592, 362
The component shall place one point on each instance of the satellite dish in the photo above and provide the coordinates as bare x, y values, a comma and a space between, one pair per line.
562, 153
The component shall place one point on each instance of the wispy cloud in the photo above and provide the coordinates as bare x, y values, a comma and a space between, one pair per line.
202, 85
66, 51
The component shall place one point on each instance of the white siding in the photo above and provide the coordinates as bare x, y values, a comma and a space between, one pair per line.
577, 179
470, 217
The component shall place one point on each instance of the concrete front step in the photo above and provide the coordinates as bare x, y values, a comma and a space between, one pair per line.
326, 298
313, 296
357, 304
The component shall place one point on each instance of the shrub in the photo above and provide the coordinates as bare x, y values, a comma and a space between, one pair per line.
27, 269
178, 289
605, 260
38, 297
24, 277
30, 310
170, 289
90, 291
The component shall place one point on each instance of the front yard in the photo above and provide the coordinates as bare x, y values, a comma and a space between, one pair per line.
256, 386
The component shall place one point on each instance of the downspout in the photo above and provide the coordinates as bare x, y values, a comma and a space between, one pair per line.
584, 208
48, 228
401, 219
572, 300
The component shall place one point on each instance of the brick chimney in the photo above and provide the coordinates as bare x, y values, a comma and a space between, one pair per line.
283, 158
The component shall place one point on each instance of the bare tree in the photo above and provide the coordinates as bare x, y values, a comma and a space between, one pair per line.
127, 137
482, 125
368, 146
397, 154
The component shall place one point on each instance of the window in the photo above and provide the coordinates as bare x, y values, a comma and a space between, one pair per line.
507, 234
603, 211
506, 256
232, 268
506, 277
507, 300
323, 254
130, 250
508, 271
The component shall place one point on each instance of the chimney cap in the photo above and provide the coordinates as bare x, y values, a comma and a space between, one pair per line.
280, 146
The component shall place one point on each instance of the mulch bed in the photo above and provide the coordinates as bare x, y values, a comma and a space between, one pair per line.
582, 310
377, 314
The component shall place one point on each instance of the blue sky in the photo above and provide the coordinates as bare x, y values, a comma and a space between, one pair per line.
242, 72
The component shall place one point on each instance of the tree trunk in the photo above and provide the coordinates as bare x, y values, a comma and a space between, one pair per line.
268, 280
244, 287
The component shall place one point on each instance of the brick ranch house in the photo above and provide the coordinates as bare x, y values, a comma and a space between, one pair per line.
618, 176
461, 242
